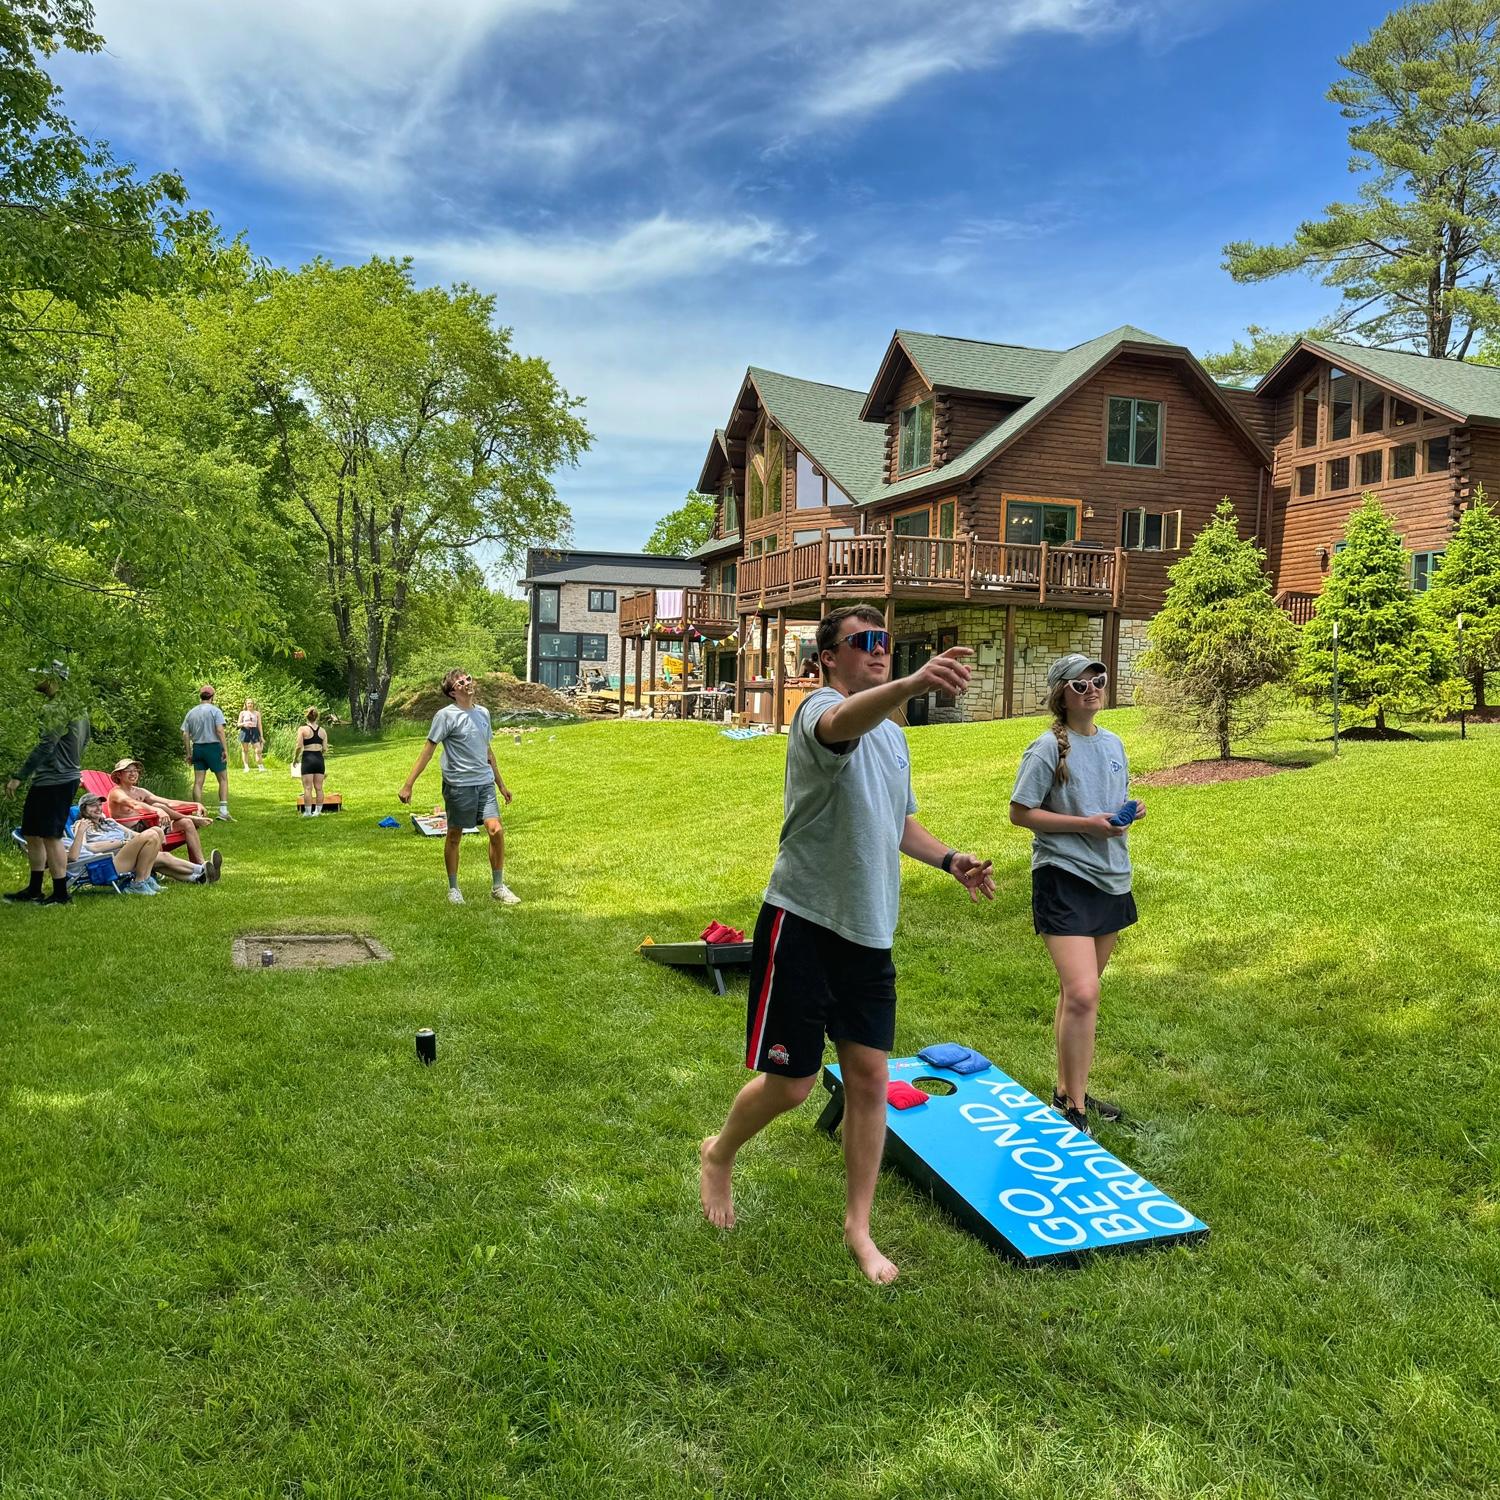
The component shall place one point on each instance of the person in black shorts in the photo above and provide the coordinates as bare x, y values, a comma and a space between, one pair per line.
821, 960
54, 768
1073, 779
311, 752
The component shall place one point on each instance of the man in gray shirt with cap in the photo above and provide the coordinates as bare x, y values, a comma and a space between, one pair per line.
821, 962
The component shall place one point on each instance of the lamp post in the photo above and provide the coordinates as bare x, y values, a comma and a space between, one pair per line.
1335, 687
1463, 731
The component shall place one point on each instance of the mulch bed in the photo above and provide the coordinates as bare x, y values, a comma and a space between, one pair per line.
1370, 732
1206, 772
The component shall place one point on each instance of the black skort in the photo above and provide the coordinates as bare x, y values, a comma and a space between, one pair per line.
312, 763
807, 982
250, 736
1066, 905
45, 813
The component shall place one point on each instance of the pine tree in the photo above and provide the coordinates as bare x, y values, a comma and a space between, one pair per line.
1219, 639
1392, 659
1467, 583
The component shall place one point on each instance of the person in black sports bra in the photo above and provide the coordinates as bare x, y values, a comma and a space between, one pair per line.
312, 747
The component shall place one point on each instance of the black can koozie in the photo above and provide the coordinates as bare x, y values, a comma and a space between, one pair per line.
427, 1045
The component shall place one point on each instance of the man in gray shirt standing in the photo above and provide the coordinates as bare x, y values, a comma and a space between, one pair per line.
205, 749
821, 962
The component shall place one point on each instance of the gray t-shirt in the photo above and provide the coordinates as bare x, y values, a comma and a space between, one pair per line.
58, 757
464, 734
1098, 778
203, 723
839, 863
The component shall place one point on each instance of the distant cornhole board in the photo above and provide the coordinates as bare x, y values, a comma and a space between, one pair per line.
333, 802
307, 950
434, 825
711, 958
1014, 1173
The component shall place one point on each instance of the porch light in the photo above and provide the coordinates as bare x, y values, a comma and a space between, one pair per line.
1088, 512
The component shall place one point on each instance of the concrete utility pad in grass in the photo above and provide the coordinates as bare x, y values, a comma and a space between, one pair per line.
308, 950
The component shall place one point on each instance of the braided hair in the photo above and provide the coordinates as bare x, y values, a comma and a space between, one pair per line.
1057, 706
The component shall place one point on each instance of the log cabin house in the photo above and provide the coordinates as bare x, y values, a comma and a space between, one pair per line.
1027, 502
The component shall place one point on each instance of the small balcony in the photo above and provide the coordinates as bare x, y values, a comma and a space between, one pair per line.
674, 612
942, 570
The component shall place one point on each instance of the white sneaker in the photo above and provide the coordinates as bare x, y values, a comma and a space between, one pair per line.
503, 893
455, 895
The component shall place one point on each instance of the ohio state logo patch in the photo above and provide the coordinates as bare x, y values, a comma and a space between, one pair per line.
779, 1055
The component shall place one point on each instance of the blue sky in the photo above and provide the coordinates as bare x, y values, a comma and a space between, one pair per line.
661, 194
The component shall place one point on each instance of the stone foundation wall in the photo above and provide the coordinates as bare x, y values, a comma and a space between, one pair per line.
1042, 635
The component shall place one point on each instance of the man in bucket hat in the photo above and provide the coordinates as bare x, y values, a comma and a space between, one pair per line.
130, 802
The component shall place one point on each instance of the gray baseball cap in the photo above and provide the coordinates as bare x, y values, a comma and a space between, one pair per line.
1067, 668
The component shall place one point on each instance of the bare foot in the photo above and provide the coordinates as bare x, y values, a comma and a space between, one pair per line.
713, 1188
869, 1259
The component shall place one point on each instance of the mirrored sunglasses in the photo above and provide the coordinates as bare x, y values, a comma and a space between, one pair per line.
1081, 685
868, 640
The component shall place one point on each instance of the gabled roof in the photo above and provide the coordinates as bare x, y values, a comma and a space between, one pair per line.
1461, 391
718, 452
823, 420
1008, 371
717, 544
1068, 371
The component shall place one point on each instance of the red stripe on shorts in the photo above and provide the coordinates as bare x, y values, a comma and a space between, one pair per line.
758, 1031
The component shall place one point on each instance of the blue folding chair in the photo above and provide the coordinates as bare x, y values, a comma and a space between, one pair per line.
97, 873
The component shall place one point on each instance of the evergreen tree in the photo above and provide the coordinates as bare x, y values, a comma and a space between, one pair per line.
1392, 659
1467, 583
1219, 639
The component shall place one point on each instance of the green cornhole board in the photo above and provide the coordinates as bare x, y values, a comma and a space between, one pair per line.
712, 958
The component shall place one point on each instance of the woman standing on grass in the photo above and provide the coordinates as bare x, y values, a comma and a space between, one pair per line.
1072, 782
311, 748
252, 735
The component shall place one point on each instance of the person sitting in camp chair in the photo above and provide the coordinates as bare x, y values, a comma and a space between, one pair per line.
96, 834
129, 803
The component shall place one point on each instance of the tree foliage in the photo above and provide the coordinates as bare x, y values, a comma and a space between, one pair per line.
1466, 584
1392, 660
685, 529
1247, 359
1219, 639
1414, 258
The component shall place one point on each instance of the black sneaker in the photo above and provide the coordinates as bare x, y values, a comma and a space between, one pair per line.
27, 895
1101, 1107
57, 898
1075, 1117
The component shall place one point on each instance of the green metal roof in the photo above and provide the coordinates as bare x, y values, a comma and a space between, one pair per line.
823, 420
969, 365
1470, 390
1066, 369
716, 544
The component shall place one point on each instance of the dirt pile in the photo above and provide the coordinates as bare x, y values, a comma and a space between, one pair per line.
497, 691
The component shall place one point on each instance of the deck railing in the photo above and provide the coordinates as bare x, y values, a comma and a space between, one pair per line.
675, 610
950, 565
1299, 606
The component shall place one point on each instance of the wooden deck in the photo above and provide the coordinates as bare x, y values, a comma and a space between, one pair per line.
942, 570
674, 611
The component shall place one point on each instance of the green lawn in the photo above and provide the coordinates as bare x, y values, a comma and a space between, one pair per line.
248, 1246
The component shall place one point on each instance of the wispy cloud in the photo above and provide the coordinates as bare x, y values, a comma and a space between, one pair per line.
656, 250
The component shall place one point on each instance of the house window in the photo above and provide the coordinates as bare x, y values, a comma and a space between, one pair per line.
557, 647
1371, 407
836, 496
913, 523
602, 601
1437, 455
731, 505
730, 578
1404, 461
1036, 521
593, 648
1403, 413
916, 438
947, 516
809, 485
1134, 432
802, 538
1307, 436
1423, 566
1151, 530
1340, 405
1307, 479
557, 674
1369, 467
546, 606
1338, 474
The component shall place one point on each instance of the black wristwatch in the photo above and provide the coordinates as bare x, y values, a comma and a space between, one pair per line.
948, 861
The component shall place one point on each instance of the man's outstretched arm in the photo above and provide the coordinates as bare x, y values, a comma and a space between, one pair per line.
974, 874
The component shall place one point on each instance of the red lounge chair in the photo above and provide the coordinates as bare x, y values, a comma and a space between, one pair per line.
101, 783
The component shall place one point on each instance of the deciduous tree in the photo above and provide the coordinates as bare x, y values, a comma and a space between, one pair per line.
685, 529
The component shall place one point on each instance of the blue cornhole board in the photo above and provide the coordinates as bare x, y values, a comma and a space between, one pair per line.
1014, 1173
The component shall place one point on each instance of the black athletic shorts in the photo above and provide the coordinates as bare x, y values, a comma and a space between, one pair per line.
807, 982
1066, 905
312, 763
44, 814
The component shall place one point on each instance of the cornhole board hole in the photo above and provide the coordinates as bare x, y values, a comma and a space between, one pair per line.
1014, 1173
333, 802
712, 958
434, 825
